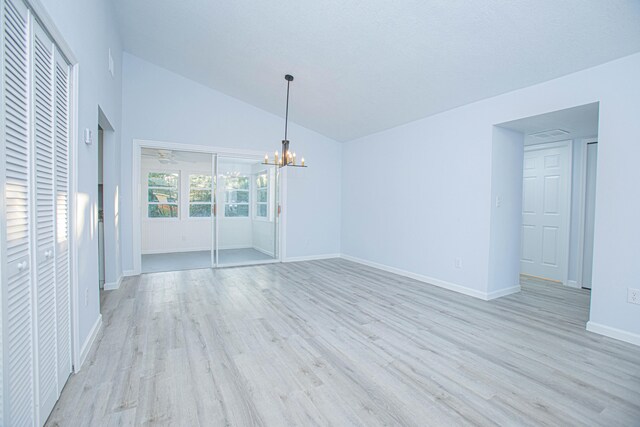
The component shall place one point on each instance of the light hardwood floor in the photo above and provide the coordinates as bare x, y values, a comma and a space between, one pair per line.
336, 343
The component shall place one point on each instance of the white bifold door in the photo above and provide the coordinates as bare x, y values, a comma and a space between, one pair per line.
34, 167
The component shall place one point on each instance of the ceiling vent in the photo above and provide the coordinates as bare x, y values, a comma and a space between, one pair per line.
553, 133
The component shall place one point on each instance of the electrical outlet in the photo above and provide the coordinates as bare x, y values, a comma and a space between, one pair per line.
458, 262
633, 296
86, 296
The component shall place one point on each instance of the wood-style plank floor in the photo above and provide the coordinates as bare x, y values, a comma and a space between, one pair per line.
336, 343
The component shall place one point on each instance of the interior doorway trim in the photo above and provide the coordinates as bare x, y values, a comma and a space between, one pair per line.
582, 213
566, 217
139, 144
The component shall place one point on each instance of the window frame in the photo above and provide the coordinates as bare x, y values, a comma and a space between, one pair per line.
178, 192
257, 202
189, 202
247, 203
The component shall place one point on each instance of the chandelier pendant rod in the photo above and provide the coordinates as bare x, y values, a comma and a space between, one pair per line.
287, 159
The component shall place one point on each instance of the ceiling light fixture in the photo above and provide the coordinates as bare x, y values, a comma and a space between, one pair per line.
287, 158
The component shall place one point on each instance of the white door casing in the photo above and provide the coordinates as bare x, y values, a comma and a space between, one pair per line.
589, 221
545, 210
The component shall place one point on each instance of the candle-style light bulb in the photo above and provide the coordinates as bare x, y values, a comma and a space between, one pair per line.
294, 158
275, 156
303, 161
266, 159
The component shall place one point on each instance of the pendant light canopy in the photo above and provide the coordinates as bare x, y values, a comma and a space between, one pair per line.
287, 158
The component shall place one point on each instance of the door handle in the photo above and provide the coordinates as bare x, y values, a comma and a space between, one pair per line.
22, 265
48, 254
213, 209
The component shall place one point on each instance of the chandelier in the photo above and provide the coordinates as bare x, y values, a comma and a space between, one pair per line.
287, 157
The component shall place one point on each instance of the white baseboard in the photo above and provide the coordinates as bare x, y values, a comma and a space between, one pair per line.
310, 257
86, 347
113, 285
573, 284
502, 292
436, 282
129, 273
614, 333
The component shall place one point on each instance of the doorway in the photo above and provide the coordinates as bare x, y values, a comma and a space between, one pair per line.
246, 220
557, 194
205, 210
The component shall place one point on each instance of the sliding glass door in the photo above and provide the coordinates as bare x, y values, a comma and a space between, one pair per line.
203, 210
246, 223
177, 227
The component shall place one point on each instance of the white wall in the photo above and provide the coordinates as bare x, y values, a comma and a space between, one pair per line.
417, 196
163, 106
90, 29
506, 212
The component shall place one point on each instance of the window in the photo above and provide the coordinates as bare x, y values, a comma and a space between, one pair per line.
262, 195
236, 197
163, 195
199, 196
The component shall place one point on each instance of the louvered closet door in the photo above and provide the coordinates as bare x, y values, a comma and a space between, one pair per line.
63, 282
43, 146
18, 399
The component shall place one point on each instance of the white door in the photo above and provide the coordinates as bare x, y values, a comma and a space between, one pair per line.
17, 319
35, 350
63, 275
589, 214
43, 128
545, 211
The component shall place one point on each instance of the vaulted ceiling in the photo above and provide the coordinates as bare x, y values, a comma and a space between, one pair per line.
364, 66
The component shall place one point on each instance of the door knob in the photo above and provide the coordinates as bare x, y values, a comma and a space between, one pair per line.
22, 265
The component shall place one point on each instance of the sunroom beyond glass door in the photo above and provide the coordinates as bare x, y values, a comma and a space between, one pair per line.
177, 198
246, 218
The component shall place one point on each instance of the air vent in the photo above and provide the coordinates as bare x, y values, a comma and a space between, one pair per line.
549, 133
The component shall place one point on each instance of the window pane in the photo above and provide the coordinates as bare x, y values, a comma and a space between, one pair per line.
261, 181
237, 182
201, 182
262, 195
236, 210
200, 196
163, 195
163, 211
160, 179
237, 196
262, 210
200, 211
